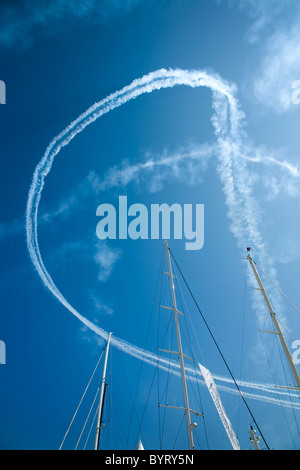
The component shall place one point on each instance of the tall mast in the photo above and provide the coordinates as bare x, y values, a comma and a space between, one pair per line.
98, 428
277, 327
189, 424
254, 439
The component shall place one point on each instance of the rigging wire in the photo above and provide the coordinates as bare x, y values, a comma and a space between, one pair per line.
169, 376
220, 352
119, 427
279, 350
166, 393
286, 380
287, 332
145, 407
241, 334
91, 427
279, 290
188, 320
171, 366
142, 363
179, 429
274, 381
129, 393
158, 376
284, 373
87, 418
110, 402
238, 354
157, 342
71, 422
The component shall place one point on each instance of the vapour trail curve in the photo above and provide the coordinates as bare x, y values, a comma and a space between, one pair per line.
227, 123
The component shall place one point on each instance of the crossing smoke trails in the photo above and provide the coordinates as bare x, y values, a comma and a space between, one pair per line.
227, 121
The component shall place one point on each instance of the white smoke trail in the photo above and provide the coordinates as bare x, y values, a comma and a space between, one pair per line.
227, 121
125, 173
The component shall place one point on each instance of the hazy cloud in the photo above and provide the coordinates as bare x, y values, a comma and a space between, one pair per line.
275, 33
106, 258
100, 253
279, 67
22, 20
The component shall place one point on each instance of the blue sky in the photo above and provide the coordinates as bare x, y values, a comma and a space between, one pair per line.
237, 154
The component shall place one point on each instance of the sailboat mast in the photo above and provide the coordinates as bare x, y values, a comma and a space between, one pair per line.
277, 327
254, 439
98, 427
183, 378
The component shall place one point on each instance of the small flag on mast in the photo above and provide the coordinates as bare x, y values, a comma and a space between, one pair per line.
248, 248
